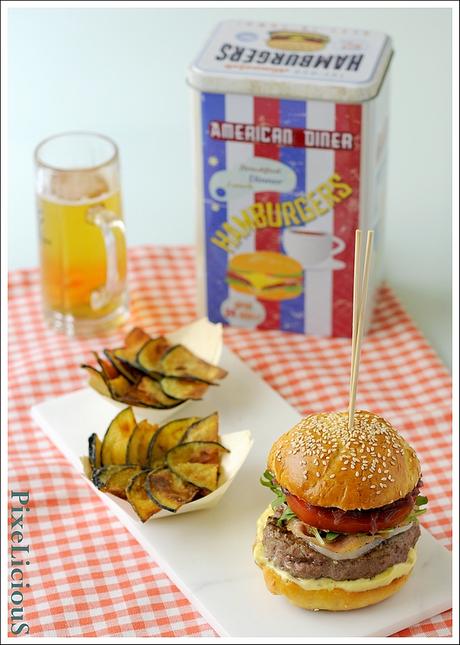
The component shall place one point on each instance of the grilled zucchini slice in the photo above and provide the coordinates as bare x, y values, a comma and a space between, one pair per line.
118, 480
108, 369
130, 373
94, 451
149, 392
119, 388
138, 444
168, 490
136, 337
182, 388
116, 438
206, 429
136, 495
102, 475
96, 380
133, 342
149, 356
180, 361
197, 462
166, 438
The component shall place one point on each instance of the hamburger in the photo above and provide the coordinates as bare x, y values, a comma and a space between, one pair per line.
342, 531
266, 275
297, 40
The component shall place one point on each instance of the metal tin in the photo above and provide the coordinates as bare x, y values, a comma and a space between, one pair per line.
291, 128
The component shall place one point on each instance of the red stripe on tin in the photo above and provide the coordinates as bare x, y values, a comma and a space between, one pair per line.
346, 218
267, 112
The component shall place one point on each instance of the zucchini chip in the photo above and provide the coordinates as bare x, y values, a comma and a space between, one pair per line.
101, 475
133, 343
180, 361
197, 462
168, 436
138, 444
96, 380
149, 356
138, 498
94, 451
118, 480
119, 388
168, 490
125, 369
136, 338
183, 388
206, 429
148, 392
109, 371
116, 438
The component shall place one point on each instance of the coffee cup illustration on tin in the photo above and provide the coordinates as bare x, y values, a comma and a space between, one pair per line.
314, 249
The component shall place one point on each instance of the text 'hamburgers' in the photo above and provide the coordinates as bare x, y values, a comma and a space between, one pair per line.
342, 531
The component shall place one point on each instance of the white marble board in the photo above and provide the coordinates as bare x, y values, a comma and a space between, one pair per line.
213, 564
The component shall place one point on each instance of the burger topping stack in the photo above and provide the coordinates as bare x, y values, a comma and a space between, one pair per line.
345, 511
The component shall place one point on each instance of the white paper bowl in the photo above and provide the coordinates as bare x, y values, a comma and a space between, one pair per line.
239, 444
201, 337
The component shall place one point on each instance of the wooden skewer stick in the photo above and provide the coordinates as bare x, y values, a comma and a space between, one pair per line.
360, 320
356, 305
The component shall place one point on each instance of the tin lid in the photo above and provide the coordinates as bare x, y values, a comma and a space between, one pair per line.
265, 59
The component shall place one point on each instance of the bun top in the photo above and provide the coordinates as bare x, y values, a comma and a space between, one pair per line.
320, 461
269, 262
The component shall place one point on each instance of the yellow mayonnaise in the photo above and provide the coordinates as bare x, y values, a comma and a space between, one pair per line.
361, 584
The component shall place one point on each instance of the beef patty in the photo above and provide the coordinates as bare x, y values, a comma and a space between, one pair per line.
293, 555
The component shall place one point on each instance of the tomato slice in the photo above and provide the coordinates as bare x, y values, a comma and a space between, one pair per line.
334, 519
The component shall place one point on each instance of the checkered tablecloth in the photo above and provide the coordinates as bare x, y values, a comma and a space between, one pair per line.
88, 576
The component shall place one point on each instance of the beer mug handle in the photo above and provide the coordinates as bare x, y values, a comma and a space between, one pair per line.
340, 245
108, 222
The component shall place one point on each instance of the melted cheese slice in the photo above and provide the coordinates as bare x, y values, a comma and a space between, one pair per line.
361, 584
261, 280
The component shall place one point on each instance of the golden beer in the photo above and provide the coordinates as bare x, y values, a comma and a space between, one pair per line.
82, 250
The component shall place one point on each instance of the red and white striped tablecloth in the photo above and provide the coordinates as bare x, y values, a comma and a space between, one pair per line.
88, 576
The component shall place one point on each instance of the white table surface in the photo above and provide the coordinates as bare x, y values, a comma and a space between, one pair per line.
122, 72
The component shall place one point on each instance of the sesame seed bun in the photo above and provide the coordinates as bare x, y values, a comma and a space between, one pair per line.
319, 458
329, 599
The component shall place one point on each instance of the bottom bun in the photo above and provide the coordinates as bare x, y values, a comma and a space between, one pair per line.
333, 599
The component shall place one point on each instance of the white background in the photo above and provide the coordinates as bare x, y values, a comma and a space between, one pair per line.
122, 72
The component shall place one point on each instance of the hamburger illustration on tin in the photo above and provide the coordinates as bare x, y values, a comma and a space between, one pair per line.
266, 275
297, 40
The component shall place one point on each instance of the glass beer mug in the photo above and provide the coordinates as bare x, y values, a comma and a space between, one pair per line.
81, 233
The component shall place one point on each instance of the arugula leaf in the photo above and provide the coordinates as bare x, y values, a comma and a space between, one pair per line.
268, 480
314, 531
286, 516
420, 500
